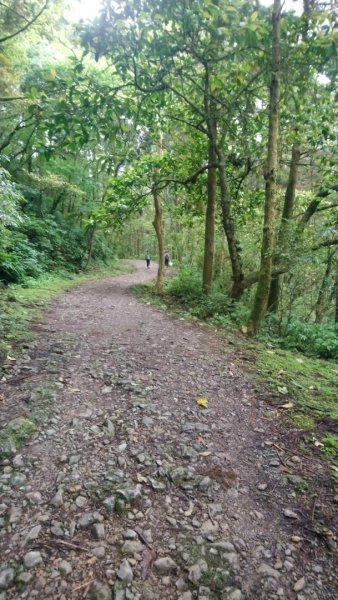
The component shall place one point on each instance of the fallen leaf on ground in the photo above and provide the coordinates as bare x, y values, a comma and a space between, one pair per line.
202, 402
287, 405
205, 453
282, 390
141, 479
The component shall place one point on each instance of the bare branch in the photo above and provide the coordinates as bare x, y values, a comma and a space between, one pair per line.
28, 24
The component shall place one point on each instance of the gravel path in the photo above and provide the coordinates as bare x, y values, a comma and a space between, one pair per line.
132, 490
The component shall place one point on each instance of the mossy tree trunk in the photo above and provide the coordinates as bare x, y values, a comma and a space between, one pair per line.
229, 229
263, 287
325, 285
158, 226
209, 237
289, 202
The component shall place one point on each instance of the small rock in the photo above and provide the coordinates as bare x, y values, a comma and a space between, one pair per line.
81, 501
100, 591
33, 533
226, 546
195, 573
235, 595
6, 578
32, 559
130, 534
296, 539
34, 497
65, 567
109, 503
87, 520
15, 515
57, 500
125, 572
262, 486
205, 484
25, 577
18, 461
131, 494
132, 547
99, 551
98, 531
209, 527
165, 564
290, 514
265, 569
299, 585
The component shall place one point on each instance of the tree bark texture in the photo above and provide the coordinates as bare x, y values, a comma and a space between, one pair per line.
209, 236
157, 223
322, 294
289, 202
229, 230
263, 286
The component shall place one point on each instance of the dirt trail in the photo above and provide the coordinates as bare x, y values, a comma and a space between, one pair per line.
133, 491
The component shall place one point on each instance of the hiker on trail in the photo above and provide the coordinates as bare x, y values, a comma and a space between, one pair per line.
147, 257
166, 259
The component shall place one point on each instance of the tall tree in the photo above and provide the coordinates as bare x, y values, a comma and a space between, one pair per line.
264, 281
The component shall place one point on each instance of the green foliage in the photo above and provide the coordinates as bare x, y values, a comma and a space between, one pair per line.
310, 338
330, 442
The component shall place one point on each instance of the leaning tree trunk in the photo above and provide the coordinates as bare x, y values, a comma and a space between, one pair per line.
229, 230
157, 223
289, 201
263, 287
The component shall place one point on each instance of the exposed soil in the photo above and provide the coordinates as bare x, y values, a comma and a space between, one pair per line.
205, 487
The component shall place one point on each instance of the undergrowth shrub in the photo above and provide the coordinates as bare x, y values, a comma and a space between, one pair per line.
313, 339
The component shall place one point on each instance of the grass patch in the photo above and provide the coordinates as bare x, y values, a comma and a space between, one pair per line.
20, 305
310, 383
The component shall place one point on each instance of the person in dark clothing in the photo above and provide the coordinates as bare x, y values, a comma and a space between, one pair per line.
167, 259
147, 257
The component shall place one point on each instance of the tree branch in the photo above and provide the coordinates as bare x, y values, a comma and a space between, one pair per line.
28, 24
11, 99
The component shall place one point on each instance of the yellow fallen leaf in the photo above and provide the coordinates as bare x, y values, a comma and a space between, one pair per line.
206, 453
74, 390
141, 479
202, 402
287, 405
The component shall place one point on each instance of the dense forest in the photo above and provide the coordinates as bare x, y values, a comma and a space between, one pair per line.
205, 128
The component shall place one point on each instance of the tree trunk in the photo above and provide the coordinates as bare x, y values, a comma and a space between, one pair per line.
263, 286
289, 201
209, 238
229, 229
336, 298
320, 303
90, 242
157, 223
